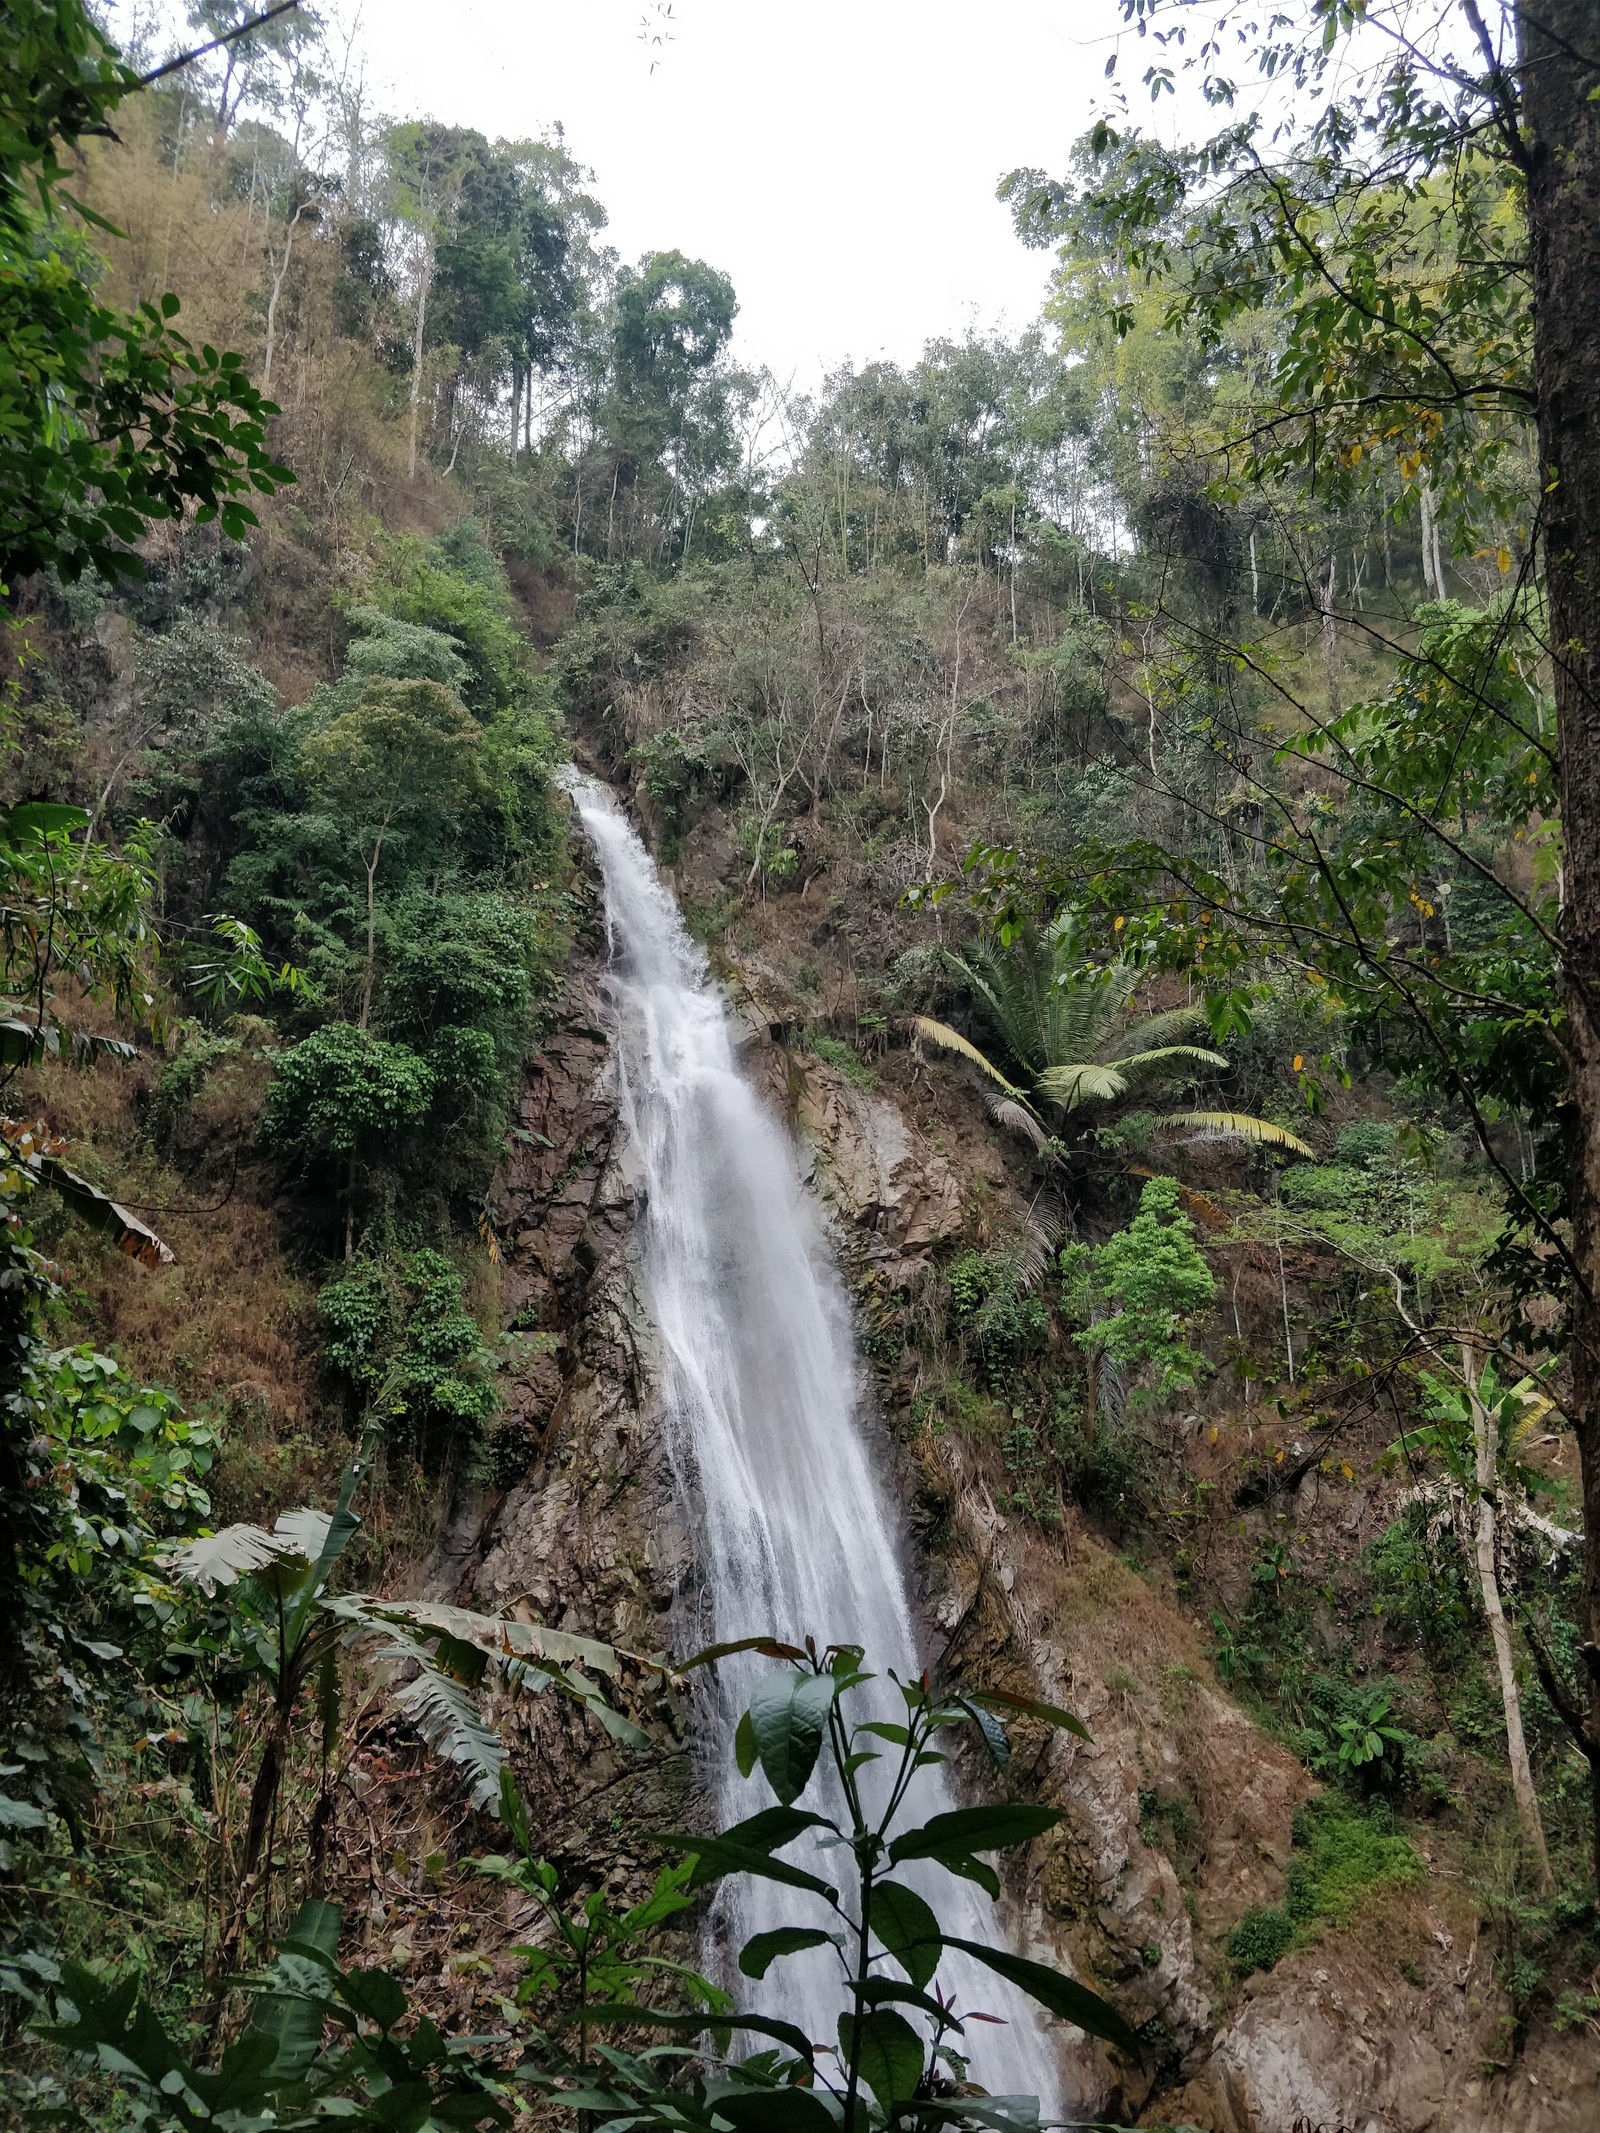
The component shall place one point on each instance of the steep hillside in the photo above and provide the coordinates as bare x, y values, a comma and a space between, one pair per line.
1116, 777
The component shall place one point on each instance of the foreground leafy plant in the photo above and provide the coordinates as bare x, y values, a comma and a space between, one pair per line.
897, 2057
288, 1628
279, 2072
895, 2060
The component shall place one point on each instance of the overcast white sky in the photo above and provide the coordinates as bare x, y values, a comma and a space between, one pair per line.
838, 159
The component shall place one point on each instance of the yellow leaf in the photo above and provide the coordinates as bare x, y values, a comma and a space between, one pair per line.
1117, 924
1503, 557
1215, 1433
1299, 1062
1347, 1470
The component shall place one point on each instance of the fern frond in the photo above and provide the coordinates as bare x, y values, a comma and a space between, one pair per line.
1238, 1125
951, 1040
1084, 1010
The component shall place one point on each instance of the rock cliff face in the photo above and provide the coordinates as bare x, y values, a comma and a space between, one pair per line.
1177, 1815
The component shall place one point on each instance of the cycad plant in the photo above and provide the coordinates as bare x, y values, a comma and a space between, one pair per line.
1073, 1040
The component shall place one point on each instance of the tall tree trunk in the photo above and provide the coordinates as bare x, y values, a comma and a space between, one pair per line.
280, 271
1560, 67
1432, 576
424, 285
1485, 1436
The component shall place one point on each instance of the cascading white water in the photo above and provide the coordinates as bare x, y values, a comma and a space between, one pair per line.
760, 1395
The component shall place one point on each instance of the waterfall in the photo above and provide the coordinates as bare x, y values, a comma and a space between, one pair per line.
759, 1386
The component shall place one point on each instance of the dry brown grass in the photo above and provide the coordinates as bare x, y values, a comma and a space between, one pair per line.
230, 1326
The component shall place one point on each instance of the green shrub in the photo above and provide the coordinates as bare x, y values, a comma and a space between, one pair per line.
1109, 1471
341, 1086
456, 586
463, 960
403, 1321
1261, 1937
403, 651
181, 1080
465, 1059
1349, 1850
671, 763
991, 1303
1342, 1853
1141, 1291
1365, 1141
843, 1057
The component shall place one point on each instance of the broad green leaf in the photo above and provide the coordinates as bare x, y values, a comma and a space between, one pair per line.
624, 2012
876, 1990
747, 1849
294, 2020
1007, 2114
714, 1859
907, 1930
975, 1829
887, 2052
994, 1733
377, 1994
773, 1828
1048, 1714
762, 1950
789, 1716
42, 818
744, 1746
1062, 1995
771, 1647
883, 1730
786, 2110
22, 1041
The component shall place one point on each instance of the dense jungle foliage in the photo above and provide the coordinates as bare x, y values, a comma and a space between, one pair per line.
1148, 749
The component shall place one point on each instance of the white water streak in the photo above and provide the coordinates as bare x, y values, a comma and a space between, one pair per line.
760, 1395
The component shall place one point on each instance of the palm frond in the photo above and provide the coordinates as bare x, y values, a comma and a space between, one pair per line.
951, 1040
461, 1645
498, 1635
1013, 984
1031, 1251
220, 1559
1151, 1032
1164, 1060
99, 1210
1071, 1086
978, 973
1016, 1119
1238, 1125
445, 1712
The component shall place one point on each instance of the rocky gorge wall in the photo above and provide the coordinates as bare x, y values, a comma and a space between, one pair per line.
1178, 1816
